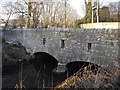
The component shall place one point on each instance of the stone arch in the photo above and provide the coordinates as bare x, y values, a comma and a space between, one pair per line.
73, 67
44, 62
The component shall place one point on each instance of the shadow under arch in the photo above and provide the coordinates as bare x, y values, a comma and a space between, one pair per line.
44, 62
73, 67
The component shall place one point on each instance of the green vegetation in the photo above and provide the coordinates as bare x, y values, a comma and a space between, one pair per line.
87, 18
108, 13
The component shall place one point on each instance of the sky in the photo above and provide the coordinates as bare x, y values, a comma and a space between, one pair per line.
78, 5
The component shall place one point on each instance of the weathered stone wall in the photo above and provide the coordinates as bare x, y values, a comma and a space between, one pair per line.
119, 46
100, 46
0, 60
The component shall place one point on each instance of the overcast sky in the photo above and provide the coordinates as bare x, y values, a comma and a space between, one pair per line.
78, 5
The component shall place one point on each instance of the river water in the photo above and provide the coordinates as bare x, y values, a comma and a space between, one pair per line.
10, 80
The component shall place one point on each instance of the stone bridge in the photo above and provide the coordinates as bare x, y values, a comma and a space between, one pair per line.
99, 46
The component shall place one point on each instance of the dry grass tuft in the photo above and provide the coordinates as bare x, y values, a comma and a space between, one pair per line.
102, 79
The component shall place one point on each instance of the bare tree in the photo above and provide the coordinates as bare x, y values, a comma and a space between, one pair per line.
48, 13
114, 11
9, 11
